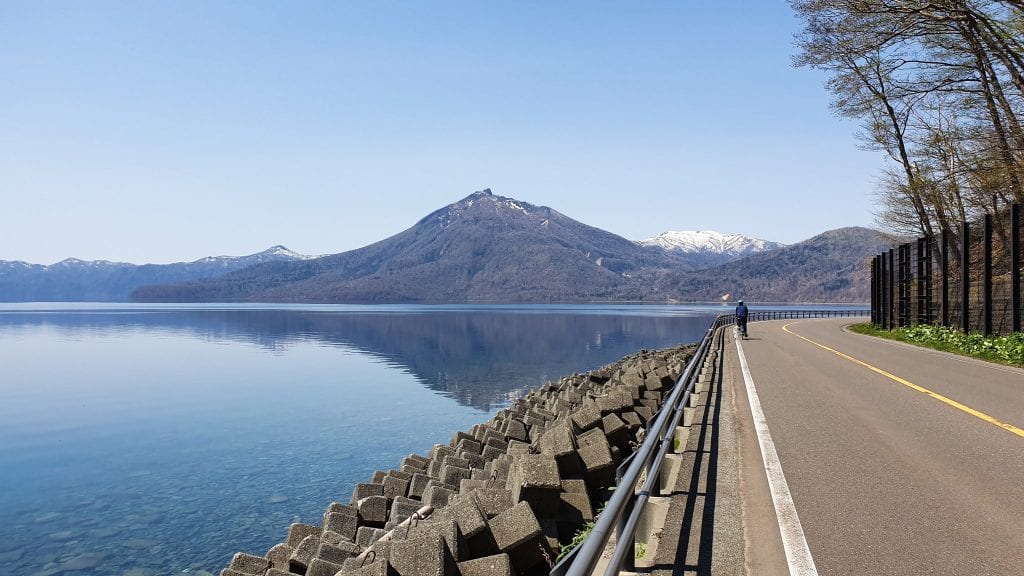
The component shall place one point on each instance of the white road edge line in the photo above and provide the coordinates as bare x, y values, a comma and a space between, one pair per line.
798, 555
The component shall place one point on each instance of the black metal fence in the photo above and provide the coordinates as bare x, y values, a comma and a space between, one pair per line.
967, 278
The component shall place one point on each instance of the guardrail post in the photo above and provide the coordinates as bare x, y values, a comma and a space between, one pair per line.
965, 278
986, 281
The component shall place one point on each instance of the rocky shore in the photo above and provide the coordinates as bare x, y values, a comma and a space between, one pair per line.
503, 498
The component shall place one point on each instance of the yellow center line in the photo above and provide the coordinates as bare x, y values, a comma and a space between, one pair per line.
1009, 427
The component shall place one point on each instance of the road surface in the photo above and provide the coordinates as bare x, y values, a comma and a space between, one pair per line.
897, 460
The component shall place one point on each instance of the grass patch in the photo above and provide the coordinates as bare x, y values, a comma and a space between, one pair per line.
1002, 349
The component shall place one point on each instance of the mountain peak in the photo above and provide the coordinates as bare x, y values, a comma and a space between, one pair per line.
710, 242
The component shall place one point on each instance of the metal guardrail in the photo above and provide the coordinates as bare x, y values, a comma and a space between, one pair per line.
622, 511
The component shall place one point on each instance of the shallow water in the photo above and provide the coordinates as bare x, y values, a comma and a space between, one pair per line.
144, 440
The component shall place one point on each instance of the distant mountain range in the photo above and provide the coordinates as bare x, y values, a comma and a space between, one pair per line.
100, 280
488, 249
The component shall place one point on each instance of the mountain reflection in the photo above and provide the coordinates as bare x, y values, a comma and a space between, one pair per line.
479, 357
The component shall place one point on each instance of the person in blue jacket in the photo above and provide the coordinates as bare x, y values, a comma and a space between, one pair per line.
741, 318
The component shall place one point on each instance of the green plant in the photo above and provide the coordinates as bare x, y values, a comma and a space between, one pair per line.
640, 550
577, 539
1004, 349
675, 444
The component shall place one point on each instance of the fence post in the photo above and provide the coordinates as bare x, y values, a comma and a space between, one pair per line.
945, 278
986, 281
884, 299
1015, 265
876, 277
922, 293
892, 284
965, 278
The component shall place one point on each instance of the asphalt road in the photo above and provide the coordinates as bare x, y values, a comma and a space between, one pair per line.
885, 479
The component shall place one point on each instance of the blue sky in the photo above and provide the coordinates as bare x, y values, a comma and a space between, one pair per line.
169, 131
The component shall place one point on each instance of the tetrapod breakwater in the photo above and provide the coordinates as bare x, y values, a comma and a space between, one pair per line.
501, 499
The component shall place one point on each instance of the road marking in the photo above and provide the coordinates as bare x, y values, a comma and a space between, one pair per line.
798, 555
1006, 426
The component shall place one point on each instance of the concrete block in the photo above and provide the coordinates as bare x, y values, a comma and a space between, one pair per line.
574, 485
588, 416
514, 526
342, 523
522, 536
599, 465
337, 554
460, 436
557, 441
517, 431
418, 484
644, 413
574, 507
277, 572
249, 564
278, 556
591, 437
631, 419
395, 486
224, 572
373, 511
416, 461
453, 474
367, 535
402, 508
471, 445
299, 561
341, 509
321, 567
400, 474
534, 478
476, 461
493, 501
494, 565
439, 451
494, 438
688, 416
364, 489
445, 526
378, 476
515, 447
467, 514
334, 538
467, 485
437, 495
614, 428
426, 556
298, 531
693, 401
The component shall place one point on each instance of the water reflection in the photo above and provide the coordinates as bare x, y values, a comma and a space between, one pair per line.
480, 356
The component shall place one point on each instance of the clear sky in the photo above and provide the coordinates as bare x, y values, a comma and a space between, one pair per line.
169, 131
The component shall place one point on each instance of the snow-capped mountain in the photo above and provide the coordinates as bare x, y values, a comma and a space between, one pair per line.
712, 248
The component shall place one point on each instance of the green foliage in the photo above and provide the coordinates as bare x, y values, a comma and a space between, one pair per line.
1004, 349
641, 550
675, 444
577, 539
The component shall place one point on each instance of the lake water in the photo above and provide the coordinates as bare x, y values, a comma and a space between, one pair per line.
148, 440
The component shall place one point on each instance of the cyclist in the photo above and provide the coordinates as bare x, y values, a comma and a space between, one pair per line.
741, 318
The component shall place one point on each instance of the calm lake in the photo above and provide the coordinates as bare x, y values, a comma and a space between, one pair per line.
141, 440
